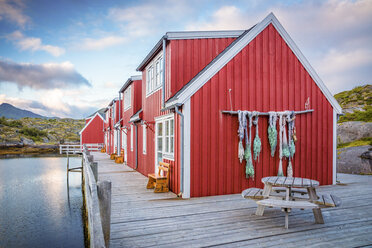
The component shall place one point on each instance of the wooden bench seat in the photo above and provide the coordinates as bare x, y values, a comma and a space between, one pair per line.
328, 201
253, 194
160, 181
112, 156
287, 204
119, 159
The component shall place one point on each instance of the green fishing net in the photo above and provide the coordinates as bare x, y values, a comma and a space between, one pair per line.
285, 150
272, 134
256, 147
292, 148
249, 170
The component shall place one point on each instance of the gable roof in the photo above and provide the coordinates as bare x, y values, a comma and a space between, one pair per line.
92, 118
129, 81
233, 49
100, 111
184, 35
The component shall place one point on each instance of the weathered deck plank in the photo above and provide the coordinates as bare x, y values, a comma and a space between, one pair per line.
141, 218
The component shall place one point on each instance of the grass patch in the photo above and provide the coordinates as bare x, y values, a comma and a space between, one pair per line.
11, 123
365, 116
33, 133
361, 142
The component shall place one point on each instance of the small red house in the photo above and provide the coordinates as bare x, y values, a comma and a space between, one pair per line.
93, 131
112, 133
190, 78
130, 106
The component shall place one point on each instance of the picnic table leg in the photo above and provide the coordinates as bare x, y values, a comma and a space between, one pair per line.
286, 218
316, 211
266, 192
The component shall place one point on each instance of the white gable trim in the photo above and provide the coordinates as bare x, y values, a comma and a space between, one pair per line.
86, 125
237, 47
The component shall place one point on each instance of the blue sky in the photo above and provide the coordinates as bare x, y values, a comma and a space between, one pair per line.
70, 58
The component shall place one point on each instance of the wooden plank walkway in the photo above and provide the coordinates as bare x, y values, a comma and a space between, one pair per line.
141, 218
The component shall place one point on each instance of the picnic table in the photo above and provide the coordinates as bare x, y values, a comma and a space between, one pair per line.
289, 184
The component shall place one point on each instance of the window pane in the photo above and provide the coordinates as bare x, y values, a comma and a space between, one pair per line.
152, 79
171, 144
160, 129
171, 127
166, 128
167, 144
160, 144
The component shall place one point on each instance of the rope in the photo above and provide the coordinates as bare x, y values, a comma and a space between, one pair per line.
272, 133
283, 144
249, 169
257, 140
290, 119
241, 130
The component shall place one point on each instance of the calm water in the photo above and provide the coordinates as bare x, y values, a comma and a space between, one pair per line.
34, 206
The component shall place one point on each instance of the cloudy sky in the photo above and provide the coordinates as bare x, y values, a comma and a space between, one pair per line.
70, 58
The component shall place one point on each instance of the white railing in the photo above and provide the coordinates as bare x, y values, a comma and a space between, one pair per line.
97, 197
77, 149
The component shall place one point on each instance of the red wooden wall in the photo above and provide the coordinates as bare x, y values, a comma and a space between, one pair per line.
264, 76
94, 132
151, 107
186, 58
136, 105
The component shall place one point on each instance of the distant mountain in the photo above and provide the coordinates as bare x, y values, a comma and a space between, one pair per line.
9, 111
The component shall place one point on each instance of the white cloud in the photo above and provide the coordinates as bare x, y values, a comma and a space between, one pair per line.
12, 11
99, 44
52, 104
41, 76
225, 18
335, 36
147, 18
33, 44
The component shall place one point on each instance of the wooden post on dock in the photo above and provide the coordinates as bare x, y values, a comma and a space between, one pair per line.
104, 197
94, 166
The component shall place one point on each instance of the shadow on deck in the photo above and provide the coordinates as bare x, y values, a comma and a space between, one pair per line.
141, 218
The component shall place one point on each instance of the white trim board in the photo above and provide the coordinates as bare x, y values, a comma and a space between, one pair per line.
334, 148
86, 125
233, 50
187, 150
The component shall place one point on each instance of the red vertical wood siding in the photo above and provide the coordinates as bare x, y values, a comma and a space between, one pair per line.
136, 105
94, 132
186, 58
151, 108
264, 76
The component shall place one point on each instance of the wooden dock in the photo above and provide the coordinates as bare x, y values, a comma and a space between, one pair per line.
141, 218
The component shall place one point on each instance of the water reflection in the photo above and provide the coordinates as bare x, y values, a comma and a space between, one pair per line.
34, 207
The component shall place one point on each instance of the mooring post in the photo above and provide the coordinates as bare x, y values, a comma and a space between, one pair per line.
94, 166
104, 198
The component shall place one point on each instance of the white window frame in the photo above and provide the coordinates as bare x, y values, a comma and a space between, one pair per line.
144, 139
113, 112
131, 137
153, 76
127, 98
167, 154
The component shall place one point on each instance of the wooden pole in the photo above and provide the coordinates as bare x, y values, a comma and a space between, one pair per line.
104, 198
94, 166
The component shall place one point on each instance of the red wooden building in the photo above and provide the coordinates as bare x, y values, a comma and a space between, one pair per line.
205, 73
93, 131
112, 131
130, 107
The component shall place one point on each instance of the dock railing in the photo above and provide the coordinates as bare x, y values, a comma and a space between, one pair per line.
77, 148
97, 197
